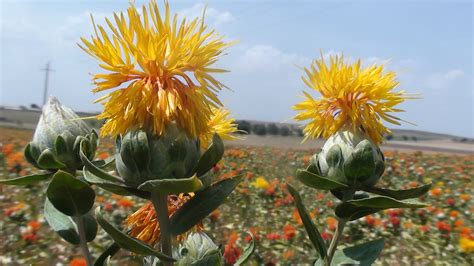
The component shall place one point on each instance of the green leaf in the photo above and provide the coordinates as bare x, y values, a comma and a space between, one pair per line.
47, 160
104, 164
26, 180
116, 188
108, 253
127, 242
363, 254
318, 182
61, 223
382, 202
400, 194
213, 257
66, 227
313, 233
211, 157
29, 154
90, 226
70, 195
351, 212
248, 251
89, 166
172, 186
201, 205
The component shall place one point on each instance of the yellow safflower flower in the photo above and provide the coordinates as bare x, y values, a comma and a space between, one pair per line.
160, 69
466, 245
352, 98
260, 182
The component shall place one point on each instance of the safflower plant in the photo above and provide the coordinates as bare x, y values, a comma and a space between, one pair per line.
169, 126
353, 104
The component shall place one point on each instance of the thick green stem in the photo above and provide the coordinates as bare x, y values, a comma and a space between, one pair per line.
160, 202
335, 240
83, 241
348, 195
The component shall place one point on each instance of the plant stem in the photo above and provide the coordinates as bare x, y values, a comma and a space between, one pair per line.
160, 202
83, 241
341, 223
335, 240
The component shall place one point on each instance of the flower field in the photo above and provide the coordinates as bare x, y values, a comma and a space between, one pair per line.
441, 234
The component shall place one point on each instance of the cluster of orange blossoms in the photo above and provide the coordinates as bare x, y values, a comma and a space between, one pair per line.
143, 224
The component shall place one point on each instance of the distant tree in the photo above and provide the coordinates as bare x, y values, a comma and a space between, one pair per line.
259, 129
273, 129
243, 125
405, 138
34, 106
299, 132
285, 131
414, 138
389, 137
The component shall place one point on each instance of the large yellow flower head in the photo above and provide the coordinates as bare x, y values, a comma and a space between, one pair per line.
160, 69
352, 98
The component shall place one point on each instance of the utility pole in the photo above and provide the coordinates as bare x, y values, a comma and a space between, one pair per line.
45, 92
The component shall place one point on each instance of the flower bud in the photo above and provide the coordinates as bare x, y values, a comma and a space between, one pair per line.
57, 137
142, 156
350, 159
198, 247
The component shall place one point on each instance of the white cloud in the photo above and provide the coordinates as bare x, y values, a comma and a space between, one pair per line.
442, 80
265, 58
80, 25
213, 16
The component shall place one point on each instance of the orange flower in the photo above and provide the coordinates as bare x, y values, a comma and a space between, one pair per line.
273, 236
465, 197
29, 236
424, 228
436, 192
289, 231
288, 254
125, 203
458, 223
231, 251
332, 223
297, 217
407, 225
15, 160
143, 224
370, 220
7, 149
14, 209
34, 225
78, 262
103, 155
454, 214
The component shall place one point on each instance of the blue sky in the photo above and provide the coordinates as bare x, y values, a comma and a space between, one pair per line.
428, 43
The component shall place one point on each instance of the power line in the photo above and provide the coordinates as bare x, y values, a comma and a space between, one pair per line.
46, 78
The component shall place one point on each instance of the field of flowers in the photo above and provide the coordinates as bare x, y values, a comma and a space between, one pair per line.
441, 234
